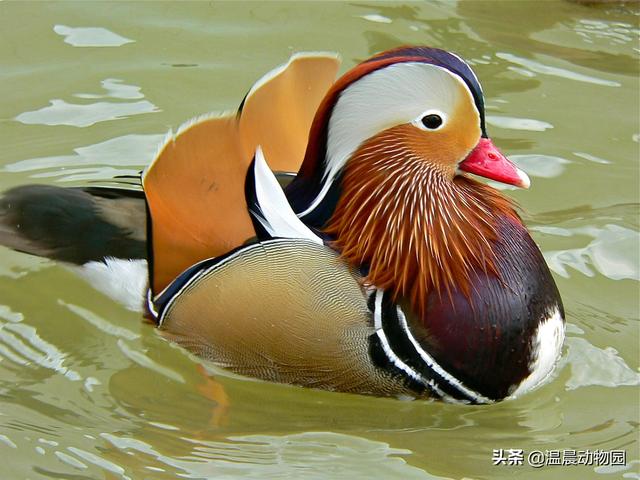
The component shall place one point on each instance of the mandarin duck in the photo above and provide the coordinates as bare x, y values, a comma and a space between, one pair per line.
370, 262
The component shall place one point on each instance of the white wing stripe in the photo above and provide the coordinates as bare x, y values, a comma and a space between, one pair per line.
276, 215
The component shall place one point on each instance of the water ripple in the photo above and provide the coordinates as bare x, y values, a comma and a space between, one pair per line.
314, 455
21, 344
615, 32
146, 362
100, 323
538, 67
98, 461
592, 158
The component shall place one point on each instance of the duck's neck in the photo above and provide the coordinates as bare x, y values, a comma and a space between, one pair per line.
417, 230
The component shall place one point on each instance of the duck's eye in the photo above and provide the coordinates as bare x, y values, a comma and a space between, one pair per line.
432, 121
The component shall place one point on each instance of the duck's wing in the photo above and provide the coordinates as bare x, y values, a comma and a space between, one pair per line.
283, 310
195, 185
194, 191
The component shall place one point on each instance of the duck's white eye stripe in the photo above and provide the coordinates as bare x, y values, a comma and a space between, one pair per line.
430, 120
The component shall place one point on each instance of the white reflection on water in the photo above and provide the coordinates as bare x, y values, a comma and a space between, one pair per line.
545, 166
618, 33
61, 112
513, 123
538, 67
98, 461
614, 252
115, 88
91, 382
90, 36
535, 165
21, 344
7, 441
75, 115
69, 460
591, 365
374, 17
100, 323
132, 150
16, 265
312, 455
143, 360
592, 158
7, 314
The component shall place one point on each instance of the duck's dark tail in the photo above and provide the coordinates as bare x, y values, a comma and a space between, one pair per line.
74, 225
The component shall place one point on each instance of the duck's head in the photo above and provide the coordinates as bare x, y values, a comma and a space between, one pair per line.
411, 102
385, 171
385, 176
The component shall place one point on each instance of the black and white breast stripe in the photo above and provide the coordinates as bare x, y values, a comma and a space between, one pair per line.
395, 349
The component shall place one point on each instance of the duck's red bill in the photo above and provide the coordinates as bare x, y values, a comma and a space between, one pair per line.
485, 160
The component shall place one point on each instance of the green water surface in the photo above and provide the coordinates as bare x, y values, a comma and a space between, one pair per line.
89, 391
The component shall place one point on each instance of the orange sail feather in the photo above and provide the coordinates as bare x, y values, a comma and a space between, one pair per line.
195, 185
